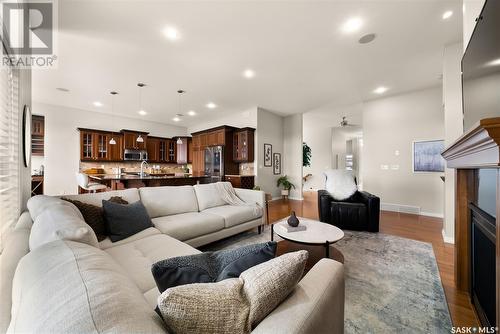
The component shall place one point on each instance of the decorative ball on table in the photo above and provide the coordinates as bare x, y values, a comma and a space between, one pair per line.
293, 220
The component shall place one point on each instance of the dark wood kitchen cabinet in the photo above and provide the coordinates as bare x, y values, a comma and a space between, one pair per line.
243, 145
153, 148
241, 181
116, 151
130, 139
37, 135
95, 146
171, 151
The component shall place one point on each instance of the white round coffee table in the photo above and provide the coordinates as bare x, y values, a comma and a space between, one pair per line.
316, 233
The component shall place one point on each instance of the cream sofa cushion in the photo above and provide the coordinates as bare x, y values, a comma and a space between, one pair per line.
107, 243
69, 287
235, 214
130, 195
208, 196
189, 225
60, 222
37, 204
15, 246
168, 200
138, 256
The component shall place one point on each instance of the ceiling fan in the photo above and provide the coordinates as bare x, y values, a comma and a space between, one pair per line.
345, 123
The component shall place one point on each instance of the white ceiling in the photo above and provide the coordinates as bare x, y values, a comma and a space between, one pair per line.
301, 57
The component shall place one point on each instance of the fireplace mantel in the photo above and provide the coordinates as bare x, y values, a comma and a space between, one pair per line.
477, 148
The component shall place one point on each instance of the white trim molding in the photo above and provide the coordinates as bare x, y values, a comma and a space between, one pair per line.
447, 239
414, 210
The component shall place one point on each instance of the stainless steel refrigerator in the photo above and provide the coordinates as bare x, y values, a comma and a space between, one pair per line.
214, 162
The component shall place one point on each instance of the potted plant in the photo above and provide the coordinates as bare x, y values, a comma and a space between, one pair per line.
286, 184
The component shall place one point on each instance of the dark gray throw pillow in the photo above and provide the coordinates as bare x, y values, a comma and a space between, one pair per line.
124, 220
210, 266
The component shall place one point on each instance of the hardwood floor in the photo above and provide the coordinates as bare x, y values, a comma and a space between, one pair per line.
414, 227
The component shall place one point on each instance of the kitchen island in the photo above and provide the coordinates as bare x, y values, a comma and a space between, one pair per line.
124, 181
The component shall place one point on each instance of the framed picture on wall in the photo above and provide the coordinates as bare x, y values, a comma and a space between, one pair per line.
268, 155
277, 163
427, 156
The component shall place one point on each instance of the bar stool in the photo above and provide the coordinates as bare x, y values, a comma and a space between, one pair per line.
83, 182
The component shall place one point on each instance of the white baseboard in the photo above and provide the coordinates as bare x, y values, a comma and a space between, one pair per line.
432, 214
296, 198
415, 210
400, 208
446, 239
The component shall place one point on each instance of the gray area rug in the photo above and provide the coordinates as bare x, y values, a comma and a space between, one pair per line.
392, 283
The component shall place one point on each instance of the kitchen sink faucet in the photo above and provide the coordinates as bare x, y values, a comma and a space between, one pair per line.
144, 162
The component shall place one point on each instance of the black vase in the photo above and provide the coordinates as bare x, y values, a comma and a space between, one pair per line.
293, 220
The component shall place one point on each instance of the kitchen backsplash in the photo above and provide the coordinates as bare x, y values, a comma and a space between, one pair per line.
247, 168
132, 166
135, 166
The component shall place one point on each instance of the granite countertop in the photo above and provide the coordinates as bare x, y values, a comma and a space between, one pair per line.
239, 175
104, 177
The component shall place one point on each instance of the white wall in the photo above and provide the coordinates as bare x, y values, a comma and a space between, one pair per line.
318, 136
247, 118
62, 140
453, 128
291, 159
269, 131
392, 124
471, 10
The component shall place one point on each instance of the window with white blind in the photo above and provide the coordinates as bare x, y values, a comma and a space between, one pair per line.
9, 150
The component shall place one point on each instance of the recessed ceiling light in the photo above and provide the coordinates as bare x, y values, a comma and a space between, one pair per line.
97, 104
211, 105
171, 33
380, 90
495, 62
447, 14
367, 39
192, 113
142, 112
352, 25
176, 119
62, 89
248, 73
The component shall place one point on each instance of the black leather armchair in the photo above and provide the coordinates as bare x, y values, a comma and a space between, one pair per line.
360, 212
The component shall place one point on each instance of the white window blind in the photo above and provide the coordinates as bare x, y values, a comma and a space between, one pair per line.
9, 150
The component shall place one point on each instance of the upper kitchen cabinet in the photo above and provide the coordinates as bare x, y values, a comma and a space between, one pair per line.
243, 145
171, 151
130, 140
216, 138
116, 150
153, 148
95, 146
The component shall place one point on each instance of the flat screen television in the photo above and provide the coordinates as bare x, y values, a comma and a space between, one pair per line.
481, 68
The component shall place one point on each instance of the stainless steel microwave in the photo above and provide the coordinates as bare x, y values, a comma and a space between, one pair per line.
137, 155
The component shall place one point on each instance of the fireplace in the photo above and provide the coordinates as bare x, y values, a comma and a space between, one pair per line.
476, 158
483, 280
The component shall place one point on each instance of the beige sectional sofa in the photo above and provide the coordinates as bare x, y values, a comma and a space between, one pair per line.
66, 286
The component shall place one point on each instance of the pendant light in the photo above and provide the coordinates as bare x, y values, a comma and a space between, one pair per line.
112, 140
180, 91
141, 111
